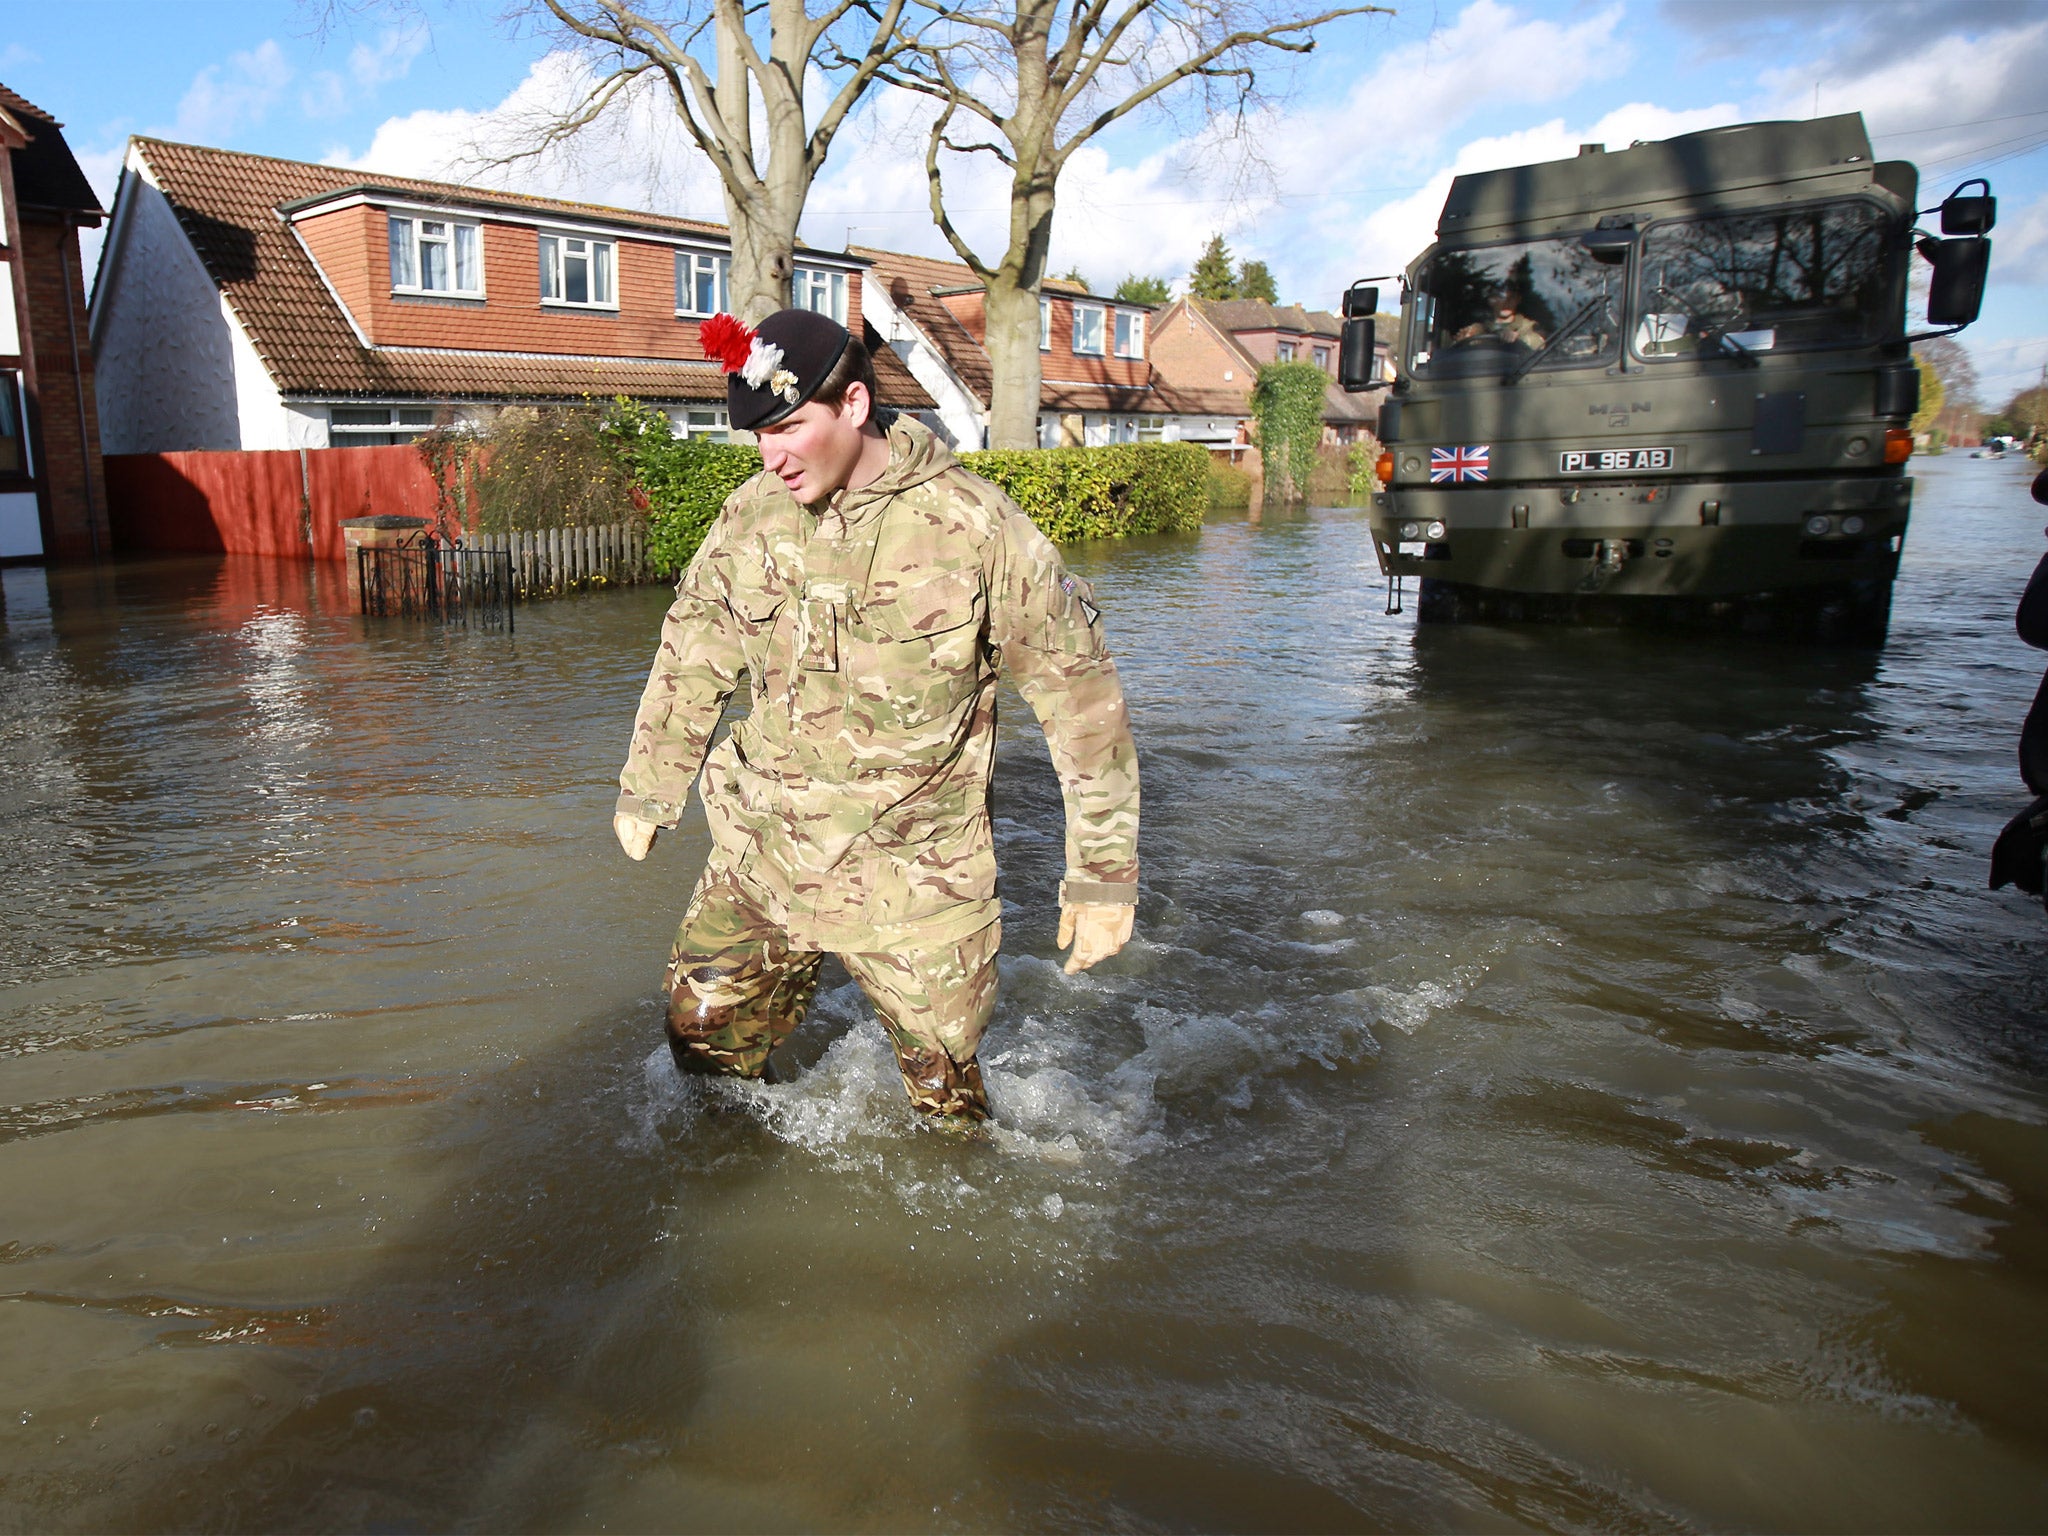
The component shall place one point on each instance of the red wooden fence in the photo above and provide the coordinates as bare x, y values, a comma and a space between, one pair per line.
287, 503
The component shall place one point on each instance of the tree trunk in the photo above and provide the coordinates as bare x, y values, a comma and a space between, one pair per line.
1014, 358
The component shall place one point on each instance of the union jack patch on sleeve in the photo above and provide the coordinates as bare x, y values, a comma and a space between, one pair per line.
1454, 465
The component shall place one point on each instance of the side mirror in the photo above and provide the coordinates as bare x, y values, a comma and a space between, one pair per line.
1355, 352
1609, 247
1361, 302
1956, 292
1973, 215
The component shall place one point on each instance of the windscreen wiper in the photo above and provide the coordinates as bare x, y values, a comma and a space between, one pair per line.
1570, 328
1708, 331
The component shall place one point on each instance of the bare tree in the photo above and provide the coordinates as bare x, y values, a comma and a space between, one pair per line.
724, 61
1040, 78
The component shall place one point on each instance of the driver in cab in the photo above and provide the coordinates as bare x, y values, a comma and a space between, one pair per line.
1507, 325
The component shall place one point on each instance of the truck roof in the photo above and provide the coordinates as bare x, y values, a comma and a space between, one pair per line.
1783, 160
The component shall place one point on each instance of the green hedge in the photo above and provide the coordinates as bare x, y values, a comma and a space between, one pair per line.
1070, 493
1102, 493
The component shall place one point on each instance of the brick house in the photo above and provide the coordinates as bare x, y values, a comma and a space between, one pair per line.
246, 302
1098, 382
1217, 348
53, 501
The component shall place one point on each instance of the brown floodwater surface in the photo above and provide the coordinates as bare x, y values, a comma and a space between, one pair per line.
1562, 1080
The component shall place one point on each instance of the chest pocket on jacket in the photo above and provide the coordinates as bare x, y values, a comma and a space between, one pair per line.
755, 606
923, 659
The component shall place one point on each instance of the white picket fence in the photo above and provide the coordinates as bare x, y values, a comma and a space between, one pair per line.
547, 562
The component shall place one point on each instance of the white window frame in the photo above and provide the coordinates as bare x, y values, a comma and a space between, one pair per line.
407, 237
1284, 351
701, 421
1044, 324
809, 285
691, 264
1083, 313
1322, 356
555, 255
1131, 322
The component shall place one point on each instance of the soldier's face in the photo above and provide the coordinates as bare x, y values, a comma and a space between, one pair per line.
814, 449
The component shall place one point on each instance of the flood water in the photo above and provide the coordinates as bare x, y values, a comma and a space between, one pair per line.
1561, 1081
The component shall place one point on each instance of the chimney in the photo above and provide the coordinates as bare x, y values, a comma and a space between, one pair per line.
1592, 149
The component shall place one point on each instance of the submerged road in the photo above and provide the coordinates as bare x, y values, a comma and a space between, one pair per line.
1562, 1080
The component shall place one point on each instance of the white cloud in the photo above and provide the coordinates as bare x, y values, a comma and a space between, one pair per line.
1938, 103
223, 99
16, 56
2019, 246
390, 56
636, 156
2006, 367
324, 95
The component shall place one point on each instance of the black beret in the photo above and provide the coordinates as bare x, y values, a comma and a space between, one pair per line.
810, 345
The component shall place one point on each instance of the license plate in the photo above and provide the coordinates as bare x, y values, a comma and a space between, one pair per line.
1614, 461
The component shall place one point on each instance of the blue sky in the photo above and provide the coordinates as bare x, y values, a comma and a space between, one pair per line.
1340, 175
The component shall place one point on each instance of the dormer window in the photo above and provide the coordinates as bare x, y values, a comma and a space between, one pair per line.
1130, 333
436, 256
1088, 330
577, 271
703, 283
820, 290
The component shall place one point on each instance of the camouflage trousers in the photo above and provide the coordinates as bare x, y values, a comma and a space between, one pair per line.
736, 990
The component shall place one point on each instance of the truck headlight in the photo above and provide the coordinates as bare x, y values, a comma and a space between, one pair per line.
1817, 525
1411, 531
1436, 530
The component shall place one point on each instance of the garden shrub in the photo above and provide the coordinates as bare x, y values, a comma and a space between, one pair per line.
1102, 493
682, 480
529, 467
1230, 486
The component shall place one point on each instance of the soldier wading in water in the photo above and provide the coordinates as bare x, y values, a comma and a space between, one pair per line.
869, 587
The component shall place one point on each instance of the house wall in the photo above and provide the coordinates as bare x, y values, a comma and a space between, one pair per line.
1189, 355
163, 338
960, 418
21, 525
351, 247
64, 409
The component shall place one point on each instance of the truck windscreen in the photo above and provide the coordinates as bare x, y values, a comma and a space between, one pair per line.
1804, 277
1487, 309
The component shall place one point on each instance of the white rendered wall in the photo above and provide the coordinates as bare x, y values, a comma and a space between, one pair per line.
20, 531
10, 331
163, 340
960, 417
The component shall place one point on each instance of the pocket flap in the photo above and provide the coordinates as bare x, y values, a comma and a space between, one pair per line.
755, 604
927, 606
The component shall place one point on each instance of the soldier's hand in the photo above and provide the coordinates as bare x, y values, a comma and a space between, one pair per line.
635, 836
1096, 929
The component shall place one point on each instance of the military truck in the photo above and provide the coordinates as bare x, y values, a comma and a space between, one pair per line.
1669, 383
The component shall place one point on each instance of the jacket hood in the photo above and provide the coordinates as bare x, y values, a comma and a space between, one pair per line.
915, 456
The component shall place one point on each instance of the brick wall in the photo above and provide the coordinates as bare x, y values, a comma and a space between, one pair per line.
1060, 361
69, 449
1188, 355
352, 248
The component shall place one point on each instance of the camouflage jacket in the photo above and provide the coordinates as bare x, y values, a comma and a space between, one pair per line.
854, 796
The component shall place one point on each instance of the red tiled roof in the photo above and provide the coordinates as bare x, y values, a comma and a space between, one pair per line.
227, 203
1258, 315
21, 106
910, 282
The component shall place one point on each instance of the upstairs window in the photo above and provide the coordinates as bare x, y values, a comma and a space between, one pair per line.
1088, 330
1285, 350
820, 290
13, 455
574, 270
435, 256
1323, 358
1130, 333
1045, 325
703, 283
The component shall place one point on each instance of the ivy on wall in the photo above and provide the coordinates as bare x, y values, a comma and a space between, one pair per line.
1287, 403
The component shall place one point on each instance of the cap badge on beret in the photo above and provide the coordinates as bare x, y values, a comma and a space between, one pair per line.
741, 351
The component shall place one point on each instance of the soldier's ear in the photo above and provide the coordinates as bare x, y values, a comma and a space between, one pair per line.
857, 405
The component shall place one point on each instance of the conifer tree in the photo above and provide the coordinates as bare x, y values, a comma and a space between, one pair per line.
1255, 281
1213, 277
1143, 290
